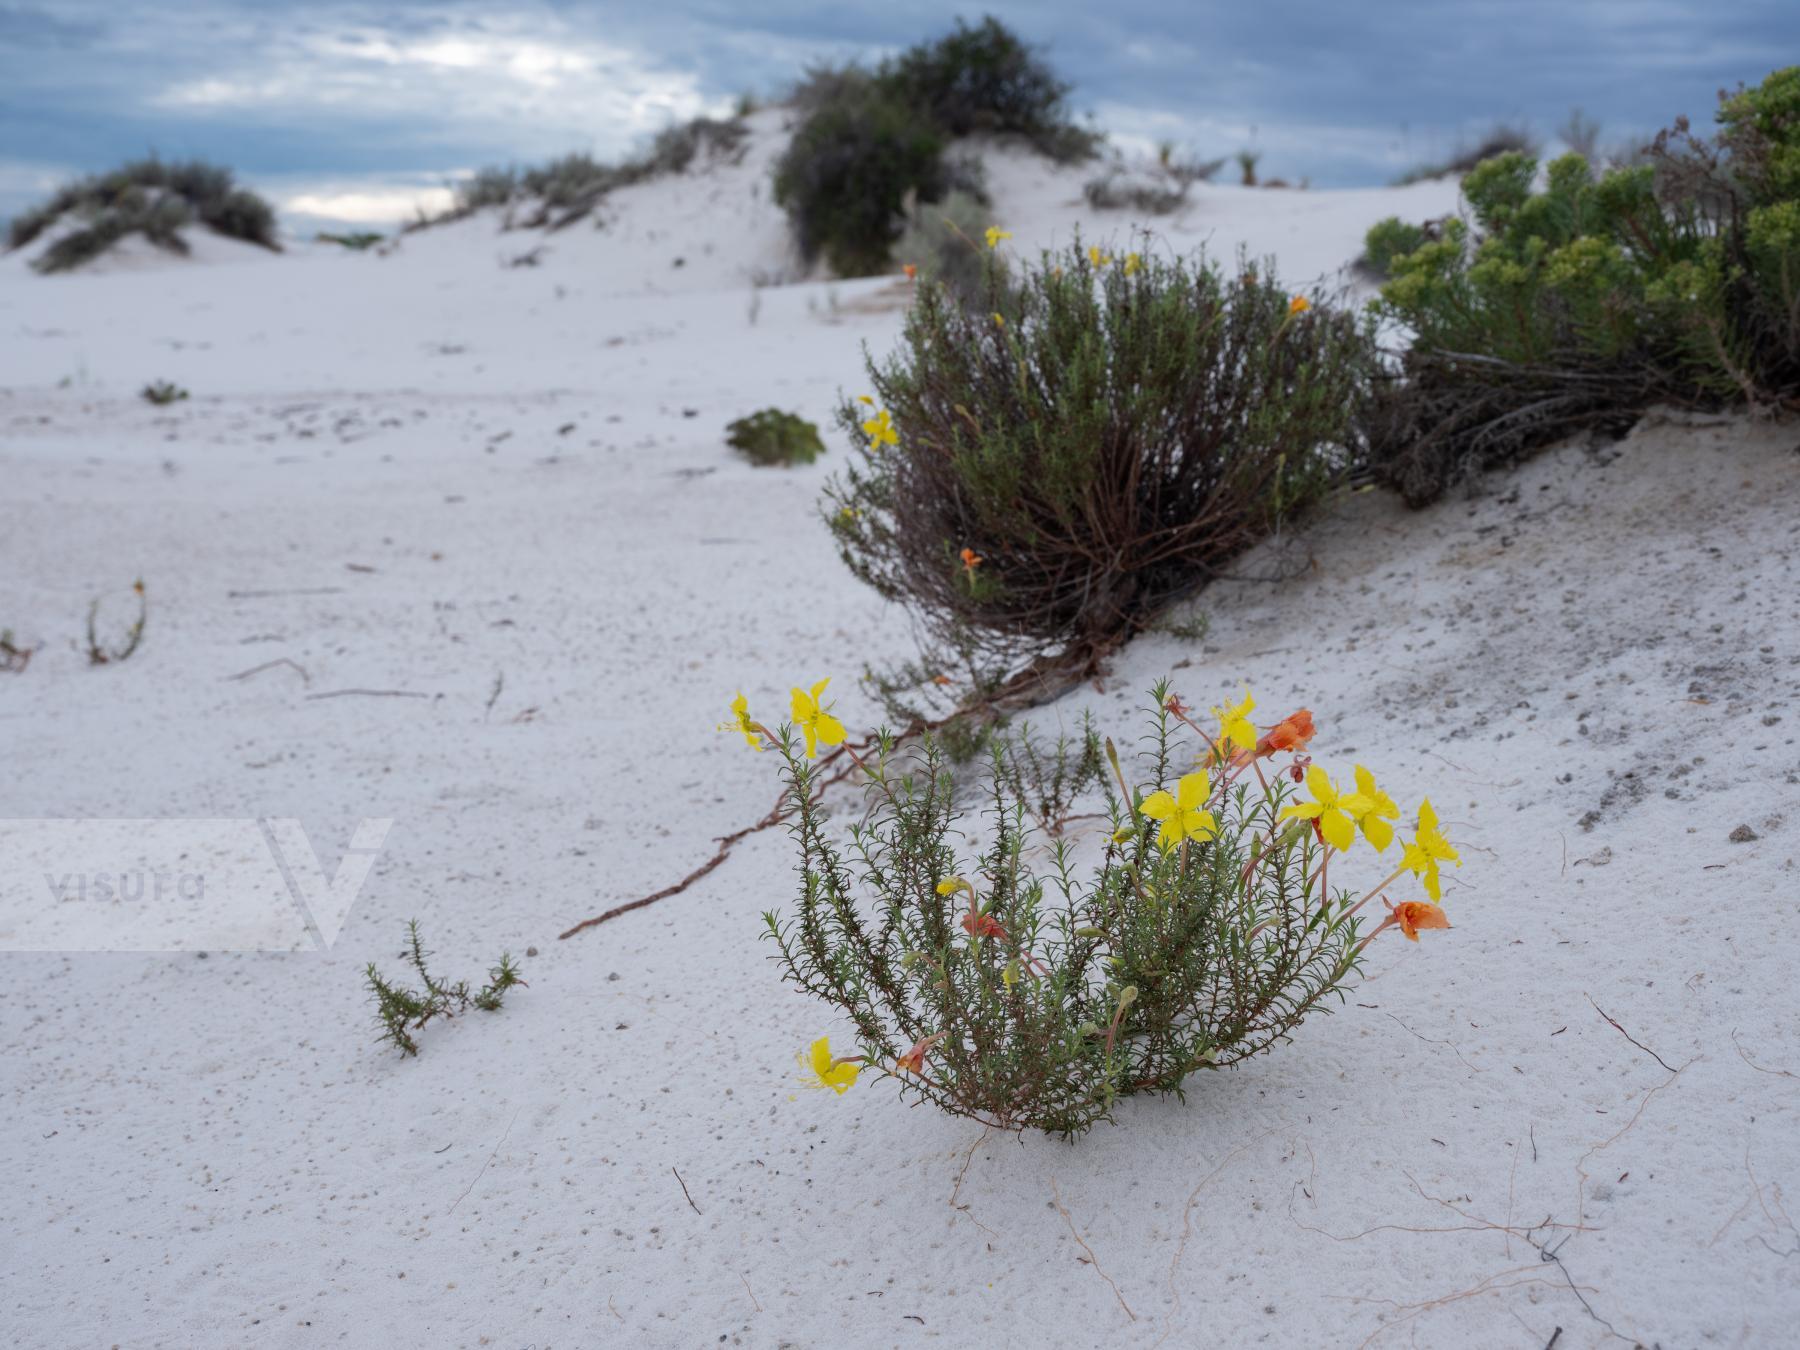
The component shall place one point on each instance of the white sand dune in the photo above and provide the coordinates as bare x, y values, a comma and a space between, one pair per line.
506, 489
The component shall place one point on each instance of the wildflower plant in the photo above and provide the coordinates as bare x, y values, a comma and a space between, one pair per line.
401, 1010
1207, 921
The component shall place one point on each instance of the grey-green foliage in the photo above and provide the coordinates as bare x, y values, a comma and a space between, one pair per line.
1057, 990
944, 240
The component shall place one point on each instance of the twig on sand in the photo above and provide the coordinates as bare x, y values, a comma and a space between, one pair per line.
1187, 1225
1027, 688
1628, 1036
270, 595
1093, 1260
295, 666
841, 761
684, 1191
1779, 1073
956, 1190
366, 693
1429, 1041
484, 1166
748, 1290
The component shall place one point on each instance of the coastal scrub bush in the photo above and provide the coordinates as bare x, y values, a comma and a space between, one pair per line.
983, 78
773, 437
147, 197
402, 1011
161, 393
870, 143
1205, 930
1039, 475
1151, 193
1578, 305
848, 172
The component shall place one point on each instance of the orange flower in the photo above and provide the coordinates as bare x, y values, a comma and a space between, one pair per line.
941, 679
912, 272
970, 561
984, 925
913, 1061
1290, 733
1299, 305
1412, 915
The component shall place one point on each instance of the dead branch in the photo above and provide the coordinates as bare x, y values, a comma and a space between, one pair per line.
1628, 1036
295, 666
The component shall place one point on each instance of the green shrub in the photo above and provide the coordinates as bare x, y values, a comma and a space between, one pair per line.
1207, 930
871, 143
1101, 438
146, 197
984, 79
848, 172
1577, 306
772, 437
162, 393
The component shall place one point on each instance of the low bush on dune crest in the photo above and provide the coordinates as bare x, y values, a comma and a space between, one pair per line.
1499, 140
569, 189
1039, 475
1206, 930
773, 437
871, 141
1578, 305
146, 197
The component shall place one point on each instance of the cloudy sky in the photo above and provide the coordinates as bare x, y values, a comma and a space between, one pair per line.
357, 109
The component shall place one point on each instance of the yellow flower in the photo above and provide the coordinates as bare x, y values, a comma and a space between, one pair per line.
1097, 256
1368, 807
1326, 807
1427, 850
951, 885
998, 321
1183, 816
819, 1070
814, 719
1132, 263
1299, 305
1235, 726
995, 234
740, 721
880, 429
864, 398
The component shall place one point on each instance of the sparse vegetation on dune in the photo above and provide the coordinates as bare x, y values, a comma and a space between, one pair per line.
1497, 140
559, 193
147, 197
